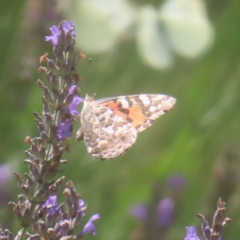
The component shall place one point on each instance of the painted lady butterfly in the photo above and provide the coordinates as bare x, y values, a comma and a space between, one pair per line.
110, 126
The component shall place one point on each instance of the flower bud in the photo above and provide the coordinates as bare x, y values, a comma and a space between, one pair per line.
53, 132
49, 77
48, 119
62, 38
68, 82
51, 171
70, 50
42, 152
46, 108
52, 66
44, 136
51, 233
60, 100
34, 237
68, 38
67, 238
77, 219
40, 83
22, 211
34, 150
55, 82
69, 99
47, 95
42, 194
31, 182
58, 52
66, 69
42, 228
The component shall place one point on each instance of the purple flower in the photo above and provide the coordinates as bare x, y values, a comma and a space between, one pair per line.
62, 227
165, 212
140, 211
66, 26
81, 207
5, 177
64, 130
75, 102
81, 204
176, 181
55, 31
52, 200
54, 37
89, 227
5, 174
73, 89
52, 205
191, 233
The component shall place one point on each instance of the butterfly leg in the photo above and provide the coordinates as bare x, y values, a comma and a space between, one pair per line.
79, 134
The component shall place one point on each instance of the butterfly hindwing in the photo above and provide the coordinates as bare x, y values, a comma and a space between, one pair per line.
106, 134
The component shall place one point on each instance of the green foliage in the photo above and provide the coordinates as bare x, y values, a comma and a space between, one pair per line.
200, 129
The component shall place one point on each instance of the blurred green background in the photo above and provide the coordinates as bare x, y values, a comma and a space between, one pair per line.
199, 138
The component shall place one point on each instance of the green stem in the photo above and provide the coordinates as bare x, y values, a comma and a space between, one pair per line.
48, 152
23, 233
54, 120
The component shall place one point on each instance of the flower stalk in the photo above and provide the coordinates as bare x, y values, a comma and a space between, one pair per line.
37, 209
210, 233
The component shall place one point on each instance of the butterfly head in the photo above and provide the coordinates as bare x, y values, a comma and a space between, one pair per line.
88, 99
87, 102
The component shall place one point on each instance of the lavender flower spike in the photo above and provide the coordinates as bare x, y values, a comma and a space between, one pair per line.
89, 227
59, 33
191, 233
37, 207
165, 212
140, 211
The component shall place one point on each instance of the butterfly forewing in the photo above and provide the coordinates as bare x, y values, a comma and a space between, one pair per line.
141, 110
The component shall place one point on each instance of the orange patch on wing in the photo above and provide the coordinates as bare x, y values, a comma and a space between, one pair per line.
136, 114
115, 107
111, 105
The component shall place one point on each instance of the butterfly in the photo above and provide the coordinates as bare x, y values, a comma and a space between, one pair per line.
110, 126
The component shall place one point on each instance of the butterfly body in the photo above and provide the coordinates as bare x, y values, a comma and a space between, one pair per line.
110, 126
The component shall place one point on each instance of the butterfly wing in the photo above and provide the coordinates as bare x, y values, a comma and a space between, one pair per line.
106, 134
110, 125
139, 110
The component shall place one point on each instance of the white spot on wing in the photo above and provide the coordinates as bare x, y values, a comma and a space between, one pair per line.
152, 109
124, 103
145, 99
